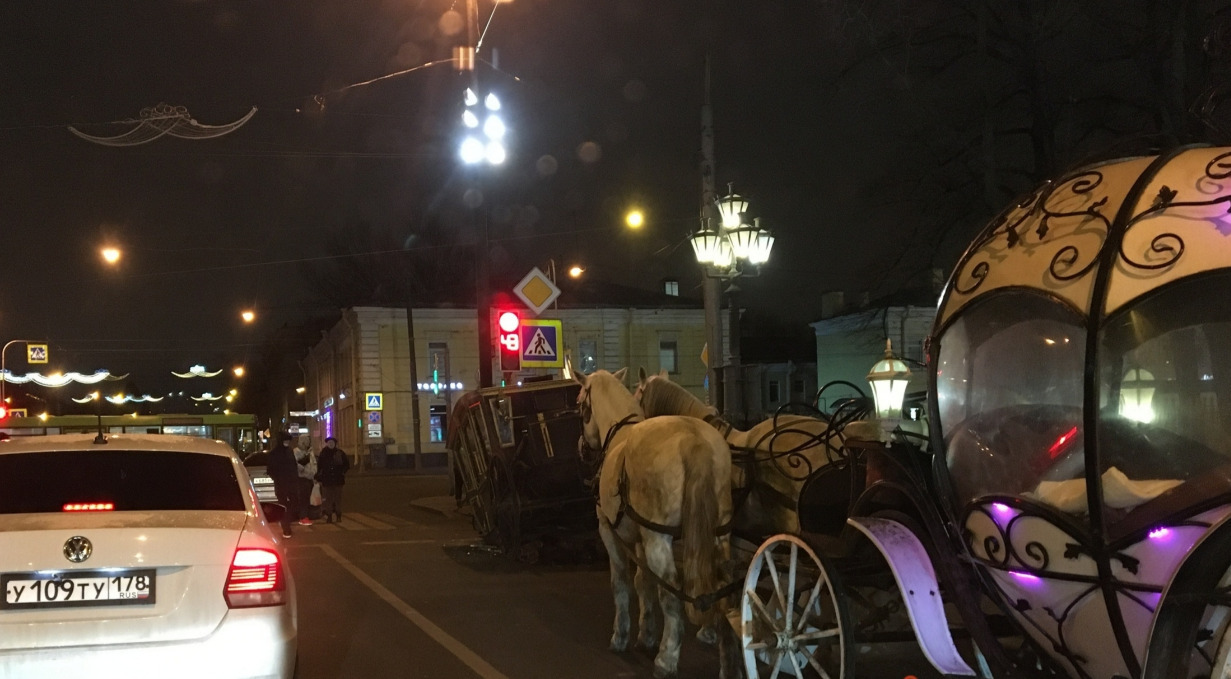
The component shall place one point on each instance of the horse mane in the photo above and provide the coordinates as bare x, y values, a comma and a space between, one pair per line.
661, 396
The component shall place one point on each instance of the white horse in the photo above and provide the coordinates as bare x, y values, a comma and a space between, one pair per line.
660, 478
786, 449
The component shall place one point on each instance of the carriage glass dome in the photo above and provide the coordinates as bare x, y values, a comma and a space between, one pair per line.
1009, 391
1165, 394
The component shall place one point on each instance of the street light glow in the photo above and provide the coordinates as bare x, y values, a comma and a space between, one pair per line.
248, 315
472, 151
635, 219
493, 127
495, 153
238, 370
575, 271
111, 255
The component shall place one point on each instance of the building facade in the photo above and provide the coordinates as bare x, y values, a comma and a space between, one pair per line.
367, 353
848, 345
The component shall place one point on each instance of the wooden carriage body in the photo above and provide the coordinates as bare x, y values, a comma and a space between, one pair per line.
516, 462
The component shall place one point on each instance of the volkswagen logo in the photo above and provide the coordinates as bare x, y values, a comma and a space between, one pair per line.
78, 549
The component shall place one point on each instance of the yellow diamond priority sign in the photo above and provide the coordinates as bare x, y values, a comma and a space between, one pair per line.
537, 291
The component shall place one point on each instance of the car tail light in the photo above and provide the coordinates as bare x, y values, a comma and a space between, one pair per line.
255, 579
88, 507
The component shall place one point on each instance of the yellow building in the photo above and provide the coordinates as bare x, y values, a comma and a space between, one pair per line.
363, 362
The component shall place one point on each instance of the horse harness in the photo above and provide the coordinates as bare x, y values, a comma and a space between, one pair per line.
747, 459
626, 508
702, 601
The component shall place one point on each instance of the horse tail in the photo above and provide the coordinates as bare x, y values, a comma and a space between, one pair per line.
699, 523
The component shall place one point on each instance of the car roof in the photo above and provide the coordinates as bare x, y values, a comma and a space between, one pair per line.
159, 442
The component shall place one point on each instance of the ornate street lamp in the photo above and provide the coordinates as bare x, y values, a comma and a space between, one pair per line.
889, 377
732, 248
721, 250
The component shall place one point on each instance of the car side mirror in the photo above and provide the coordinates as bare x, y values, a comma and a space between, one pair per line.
273, 511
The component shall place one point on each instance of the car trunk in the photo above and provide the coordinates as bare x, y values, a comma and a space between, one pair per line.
188, 552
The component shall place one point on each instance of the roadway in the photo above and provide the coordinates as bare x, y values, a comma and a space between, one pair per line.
404, 588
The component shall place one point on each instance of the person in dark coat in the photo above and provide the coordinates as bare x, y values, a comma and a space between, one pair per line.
284, 471
331, 467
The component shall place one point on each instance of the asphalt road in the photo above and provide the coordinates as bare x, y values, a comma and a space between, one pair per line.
404, 588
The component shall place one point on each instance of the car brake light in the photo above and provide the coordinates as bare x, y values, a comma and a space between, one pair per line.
88, 507
255, 579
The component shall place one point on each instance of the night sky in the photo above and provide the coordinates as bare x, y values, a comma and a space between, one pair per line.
833, 141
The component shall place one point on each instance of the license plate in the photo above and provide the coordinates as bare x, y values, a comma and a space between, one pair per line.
61, 589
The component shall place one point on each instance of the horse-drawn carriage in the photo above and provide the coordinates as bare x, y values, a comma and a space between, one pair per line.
1070, 512
516, 463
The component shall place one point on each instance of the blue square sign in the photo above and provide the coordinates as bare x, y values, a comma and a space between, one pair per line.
540, 344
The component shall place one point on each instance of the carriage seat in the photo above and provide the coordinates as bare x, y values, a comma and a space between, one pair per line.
1119, 491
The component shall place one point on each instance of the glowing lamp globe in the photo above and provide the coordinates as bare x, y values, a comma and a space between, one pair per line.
888, 379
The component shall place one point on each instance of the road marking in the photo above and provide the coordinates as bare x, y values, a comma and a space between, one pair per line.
366, 522
399, 542
472, 660
391, 519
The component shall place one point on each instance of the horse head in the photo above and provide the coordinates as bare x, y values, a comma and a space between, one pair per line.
602, 401
658, 395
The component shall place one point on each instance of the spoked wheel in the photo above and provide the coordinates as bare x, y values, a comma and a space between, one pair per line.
792, 621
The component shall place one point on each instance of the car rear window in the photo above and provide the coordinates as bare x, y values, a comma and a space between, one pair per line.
132, 480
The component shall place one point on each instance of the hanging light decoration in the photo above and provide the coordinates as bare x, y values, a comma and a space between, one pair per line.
888, 378
197, 371
60, 379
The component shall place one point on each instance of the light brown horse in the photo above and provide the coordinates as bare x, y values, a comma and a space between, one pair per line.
785, 449
660, 478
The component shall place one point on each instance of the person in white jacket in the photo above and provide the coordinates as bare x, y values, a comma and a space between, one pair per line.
306, 459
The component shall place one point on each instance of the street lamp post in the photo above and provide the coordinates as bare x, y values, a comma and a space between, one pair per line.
482, 144
888, 379
4, 373
733, 248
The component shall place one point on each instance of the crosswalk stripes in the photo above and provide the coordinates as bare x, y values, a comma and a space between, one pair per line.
353, 521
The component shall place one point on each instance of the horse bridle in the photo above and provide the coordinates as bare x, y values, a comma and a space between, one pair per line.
587, 412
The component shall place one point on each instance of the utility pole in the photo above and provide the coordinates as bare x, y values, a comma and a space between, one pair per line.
711, 294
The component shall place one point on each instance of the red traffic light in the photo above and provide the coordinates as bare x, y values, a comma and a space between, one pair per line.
509, 321
510, 341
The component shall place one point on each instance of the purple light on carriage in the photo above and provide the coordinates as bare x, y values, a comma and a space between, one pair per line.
1005, 511
1024, 577
1159, 533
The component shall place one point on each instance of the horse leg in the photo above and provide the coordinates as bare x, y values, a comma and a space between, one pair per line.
649, 624
620, 584
660, 559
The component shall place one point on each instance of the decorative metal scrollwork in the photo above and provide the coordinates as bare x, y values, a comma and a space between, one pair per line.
1069, 263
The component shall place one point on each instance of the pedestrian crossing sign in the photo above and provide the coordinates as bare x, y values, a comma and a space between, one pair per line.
540, 343
374, 400
36, 353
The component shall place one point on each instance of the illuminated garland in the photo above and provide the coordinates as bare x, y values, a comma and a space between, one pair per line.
60, 379
197, 371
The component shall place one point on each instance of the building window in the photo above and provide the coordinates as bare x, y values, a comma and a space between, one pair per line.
668, 356
775, 391
797, 388
438, 361
672, 288
588, 355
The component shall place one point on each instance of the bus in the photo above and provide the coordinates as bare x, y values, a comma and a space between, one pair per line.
237, 430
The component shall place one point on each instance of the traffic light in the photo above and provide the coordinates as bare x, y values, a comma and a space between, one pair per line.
510, 341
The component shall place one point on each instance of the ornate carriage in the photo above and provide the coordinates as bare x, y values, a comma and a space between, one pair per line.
1079, 485
516, 463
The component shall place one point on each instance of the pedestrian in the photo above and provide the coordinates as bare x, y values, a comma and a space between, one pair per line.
332, 465
282, 468
306, 460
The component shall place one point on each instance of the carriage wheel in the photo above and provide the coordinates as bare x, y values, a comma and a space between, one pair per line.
792, 621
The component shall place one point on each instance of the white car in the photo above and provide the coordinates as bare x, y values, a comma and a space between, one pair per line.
141, 556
